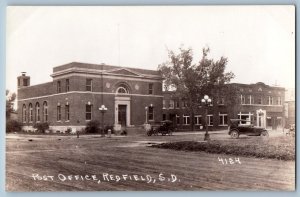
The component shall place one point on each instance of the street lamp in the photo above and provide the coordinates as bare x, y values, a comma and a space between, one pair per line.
102, 109
206, 101
146, 109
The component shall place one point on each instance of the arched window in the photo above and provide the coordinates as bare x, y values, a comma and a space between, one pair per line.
45, 111
122, 89
24, 113
30, 113
37, 112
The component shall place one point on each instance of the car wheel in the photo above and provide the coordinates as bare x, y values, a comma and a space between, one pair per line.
234, 134
264, 134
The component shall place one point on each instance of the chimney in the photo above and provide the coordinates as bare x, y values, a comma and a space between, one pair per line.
23, 80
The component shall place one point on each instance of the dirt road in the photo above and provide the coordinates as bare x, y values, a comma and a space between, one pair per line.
127, 163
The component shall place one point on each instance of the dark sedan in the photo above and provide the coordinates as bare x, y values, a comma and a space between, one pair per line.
236, 129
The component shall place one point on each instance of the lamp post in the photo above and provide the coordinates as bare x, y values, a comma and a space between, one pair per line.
102, 109
206, 101
146, 109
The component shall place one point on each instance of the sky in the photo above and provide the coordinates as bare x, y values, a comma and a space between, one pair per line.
259, 41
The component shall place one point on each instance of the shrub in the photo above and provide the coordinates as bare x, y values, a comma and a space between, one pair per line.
69, 130
41, 127
124, 132
92, 126
13, 126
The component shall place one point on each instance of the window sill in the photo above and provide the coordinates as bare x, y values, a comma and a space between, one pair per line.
223, 125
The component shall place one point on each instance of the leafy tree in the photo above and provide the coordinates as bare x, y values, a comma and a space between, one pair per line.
10, 99
194, 80
13, 126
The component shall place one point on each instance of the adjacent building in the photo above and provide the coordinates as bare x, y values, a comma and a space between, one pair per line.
259, 103
290, 108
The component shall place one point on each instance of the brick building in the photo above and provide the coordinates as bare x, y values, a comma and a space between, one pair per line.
78, 90
134, 96
260, 103
290, 107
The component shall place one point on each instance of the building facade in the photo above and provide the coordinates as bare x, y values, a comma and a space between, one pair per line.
132, 97
259, 103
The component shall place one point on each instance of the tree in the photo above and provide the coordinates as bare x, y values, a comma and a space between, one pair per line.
194, 80
10, 99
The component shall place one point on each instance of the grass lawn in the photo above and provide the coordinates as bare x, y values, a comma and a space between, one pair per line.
280, 147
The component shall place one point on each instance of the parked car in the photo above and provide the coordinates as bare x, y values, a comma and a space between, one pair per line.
165, 127
236, 129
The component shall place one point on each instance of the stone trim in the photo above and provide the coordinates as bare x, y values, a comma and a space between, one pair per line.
86, 92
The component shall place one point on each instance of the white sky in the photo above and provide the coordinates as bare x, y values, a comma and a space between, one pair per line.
259, 41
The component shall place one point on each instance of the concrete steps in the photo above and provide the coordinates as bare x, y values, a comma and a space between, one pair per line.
136, 130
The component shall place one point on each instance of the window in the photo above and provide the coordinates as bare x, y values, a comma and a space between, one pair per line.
279, 101
45, 111
164, 104
250, 100
30, 113
37, 112
150, 88
122, 89
67, 112
210, 120
88, 84
177, 104
197, 119
171, 104
259, 100
58, 113
177, 119
245, 116
184, 104
67, 85
58, 87
150, 113
221, 101
186, 119
24, 113
88, 112
19, 82
223, 119
164, 116
270, 100
242, 99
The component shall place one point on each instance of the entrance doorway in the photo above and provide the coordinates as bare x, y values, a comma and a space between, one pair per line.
122, 111
261, 118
